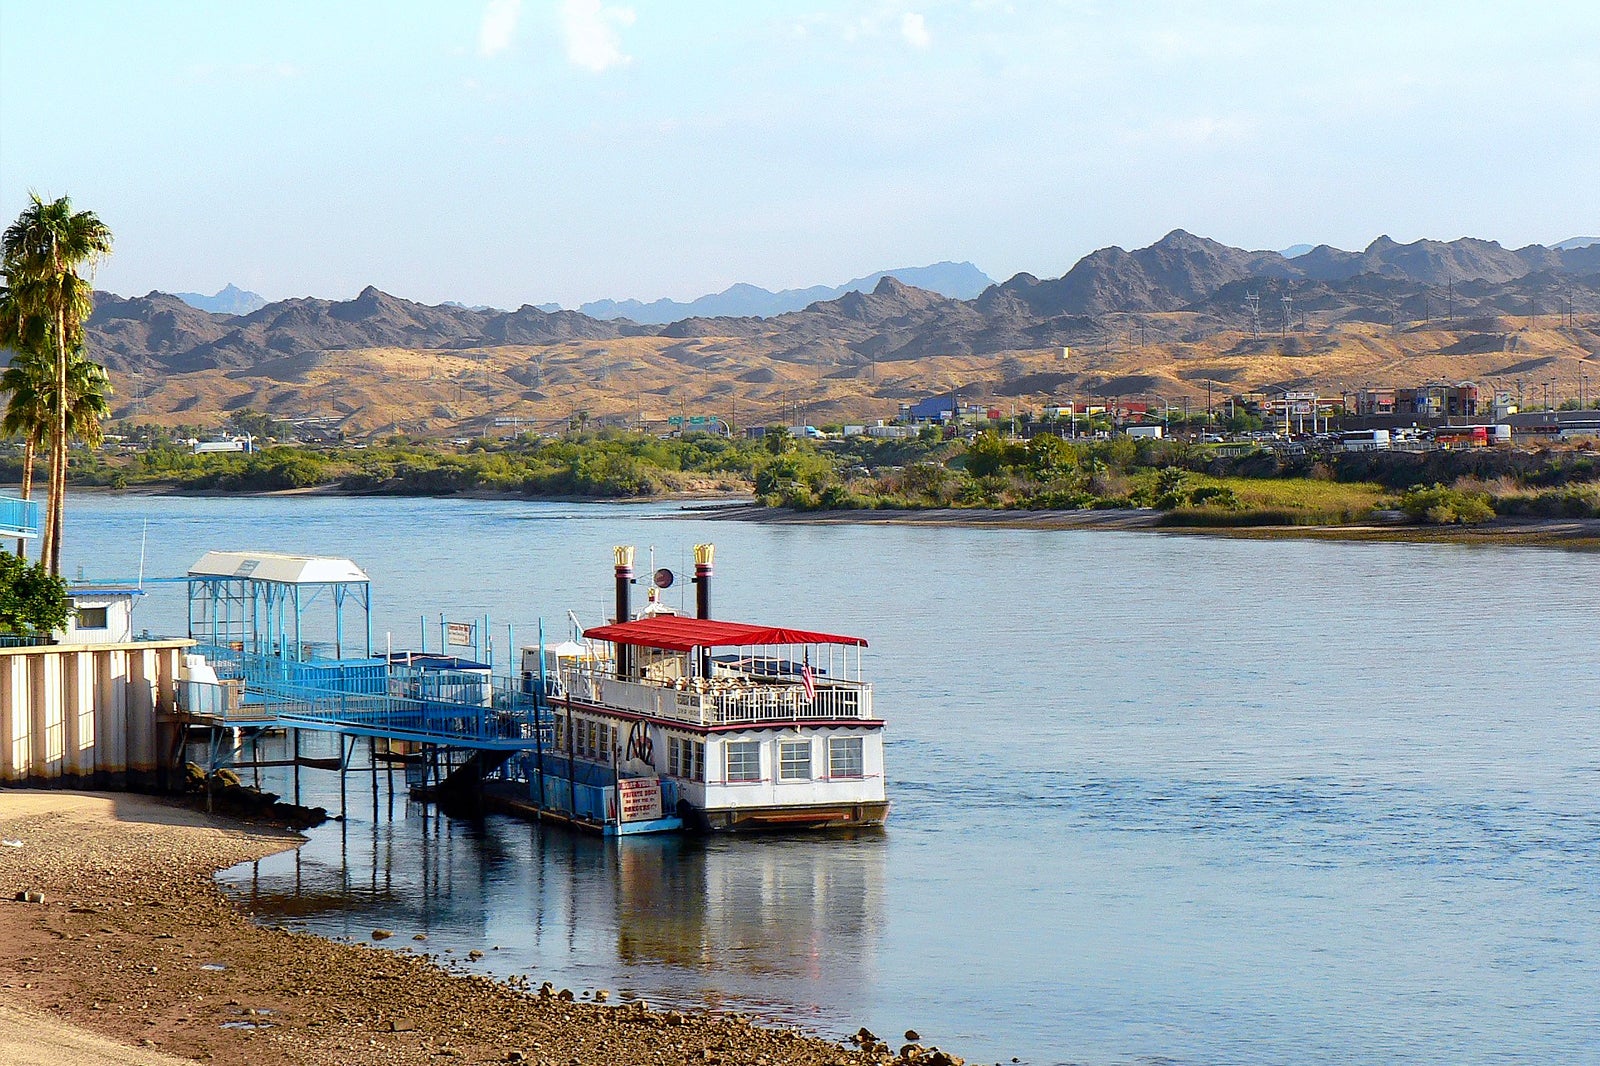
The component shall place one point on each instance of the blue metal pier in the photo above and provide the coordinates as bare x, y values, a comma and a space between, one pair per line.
19, 518
455, 722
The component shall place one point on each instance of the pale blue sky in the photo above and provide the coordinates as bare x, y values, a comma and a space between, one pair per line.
506, 153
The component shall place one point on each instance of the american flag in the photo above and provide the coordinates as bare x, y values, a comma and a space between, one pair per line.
808, 682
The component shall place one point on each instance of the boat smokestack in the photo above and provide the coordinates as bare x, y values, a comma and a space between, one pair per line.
702, 579
624, 607
624, 571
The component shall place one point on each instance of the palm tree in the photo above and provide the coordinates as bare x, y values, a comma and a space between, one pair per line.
27, 381
30, 406
40, 254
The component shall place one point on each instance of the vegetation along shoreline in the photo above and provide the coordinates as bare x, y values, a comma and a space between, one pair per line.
1521, 495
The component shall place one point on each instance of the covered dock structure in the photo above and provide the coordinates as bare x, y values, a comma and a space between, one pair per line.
284, 643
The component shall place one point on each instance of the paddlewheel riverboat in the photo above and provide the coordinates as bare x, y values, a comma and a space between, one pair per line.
719, 725
650, 723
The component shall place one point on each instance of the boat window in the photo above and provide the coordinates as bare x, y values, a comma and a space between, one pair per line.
744, 760
794, 760
686, 758
844, 757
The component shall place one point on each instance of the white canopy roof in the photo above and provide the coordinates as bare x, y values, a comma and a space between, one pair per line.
274, 566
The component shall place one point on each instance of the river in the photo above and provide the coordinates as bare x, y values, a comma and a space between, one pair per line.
1157, 798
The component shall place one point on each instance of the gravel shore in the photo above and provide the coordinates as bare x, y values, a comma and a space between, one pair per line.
133, 944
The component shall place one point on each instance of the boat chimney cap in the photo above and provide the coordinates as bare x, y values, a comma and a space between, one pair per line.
624, 554
703, 553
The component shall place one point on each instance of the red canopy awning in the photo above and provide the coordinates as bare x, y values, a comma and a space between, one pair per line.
672, 632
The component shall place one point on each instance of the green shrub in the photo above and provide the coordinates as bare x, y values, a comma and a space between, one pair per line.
1214, 496
1440, 506
31, 600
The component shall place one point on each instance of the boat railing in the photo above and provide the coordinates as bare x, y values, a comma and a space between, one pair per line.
349, 696
717, 702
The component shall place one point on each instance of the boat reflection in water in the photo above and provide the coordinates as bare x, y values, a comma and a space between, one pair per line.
778, 925
798, 909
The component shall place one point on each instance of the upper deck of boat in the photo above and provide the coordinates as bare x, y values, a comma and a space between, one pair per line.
665, 667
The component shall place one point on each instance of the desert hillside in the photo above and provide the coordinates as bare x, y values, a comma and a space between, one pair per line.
1172, 323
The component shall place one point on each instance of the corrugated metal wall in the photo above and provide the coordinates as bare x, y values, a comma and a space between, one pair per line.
89, 715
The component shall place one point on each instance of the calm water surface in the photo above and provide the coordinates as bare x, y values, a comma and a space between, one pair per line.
1157, 798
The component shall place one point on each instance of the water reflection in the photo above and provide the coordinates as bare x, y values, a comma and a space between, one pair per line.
779, 925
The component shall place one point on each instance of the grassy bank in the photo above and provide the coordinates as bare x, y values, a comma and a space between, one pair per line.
1191, 485
1276, 501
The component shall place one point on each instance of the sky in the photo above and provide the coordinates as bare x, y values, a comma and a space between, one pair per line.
505, 152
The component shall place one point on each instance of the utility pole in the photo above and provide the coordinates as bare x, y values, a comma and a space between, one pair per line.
1252, 301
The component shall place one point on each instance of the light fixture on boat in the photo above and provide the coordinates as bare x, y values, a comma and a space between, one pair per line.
702, 579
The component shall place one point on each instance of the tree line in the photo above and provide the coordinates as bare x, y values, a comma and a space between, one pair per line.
55, 393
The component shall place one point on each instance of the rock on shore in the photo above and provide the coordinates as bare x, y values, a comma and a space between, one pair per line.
135, 943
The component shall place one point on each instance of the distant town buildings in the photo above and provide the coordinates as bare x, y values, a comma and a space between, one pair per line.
1423, 401
942, 408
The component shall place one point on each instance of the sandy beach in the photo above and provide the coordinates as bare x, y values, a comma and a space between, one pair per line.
134, 956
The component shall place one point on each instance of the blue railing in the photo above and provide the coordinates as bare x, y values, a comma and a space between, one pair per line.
369, 676
19, 518
358, 696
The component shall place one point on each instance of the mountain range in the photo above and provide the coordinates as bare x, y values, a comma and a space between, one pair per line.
232, 300
1183, 293
1180, 272
959, 281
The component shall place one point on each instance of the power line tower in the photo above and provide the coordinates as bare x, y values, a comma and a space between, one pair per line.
136, 373
1288, 309
1252, 301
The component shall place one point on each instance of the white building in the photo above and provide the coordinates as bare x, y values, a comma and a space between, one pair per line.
101, 615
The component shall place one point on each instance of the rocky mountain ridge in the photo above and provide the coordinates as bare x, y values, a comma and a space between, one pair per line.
960, 281
1183, 286
231, 300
